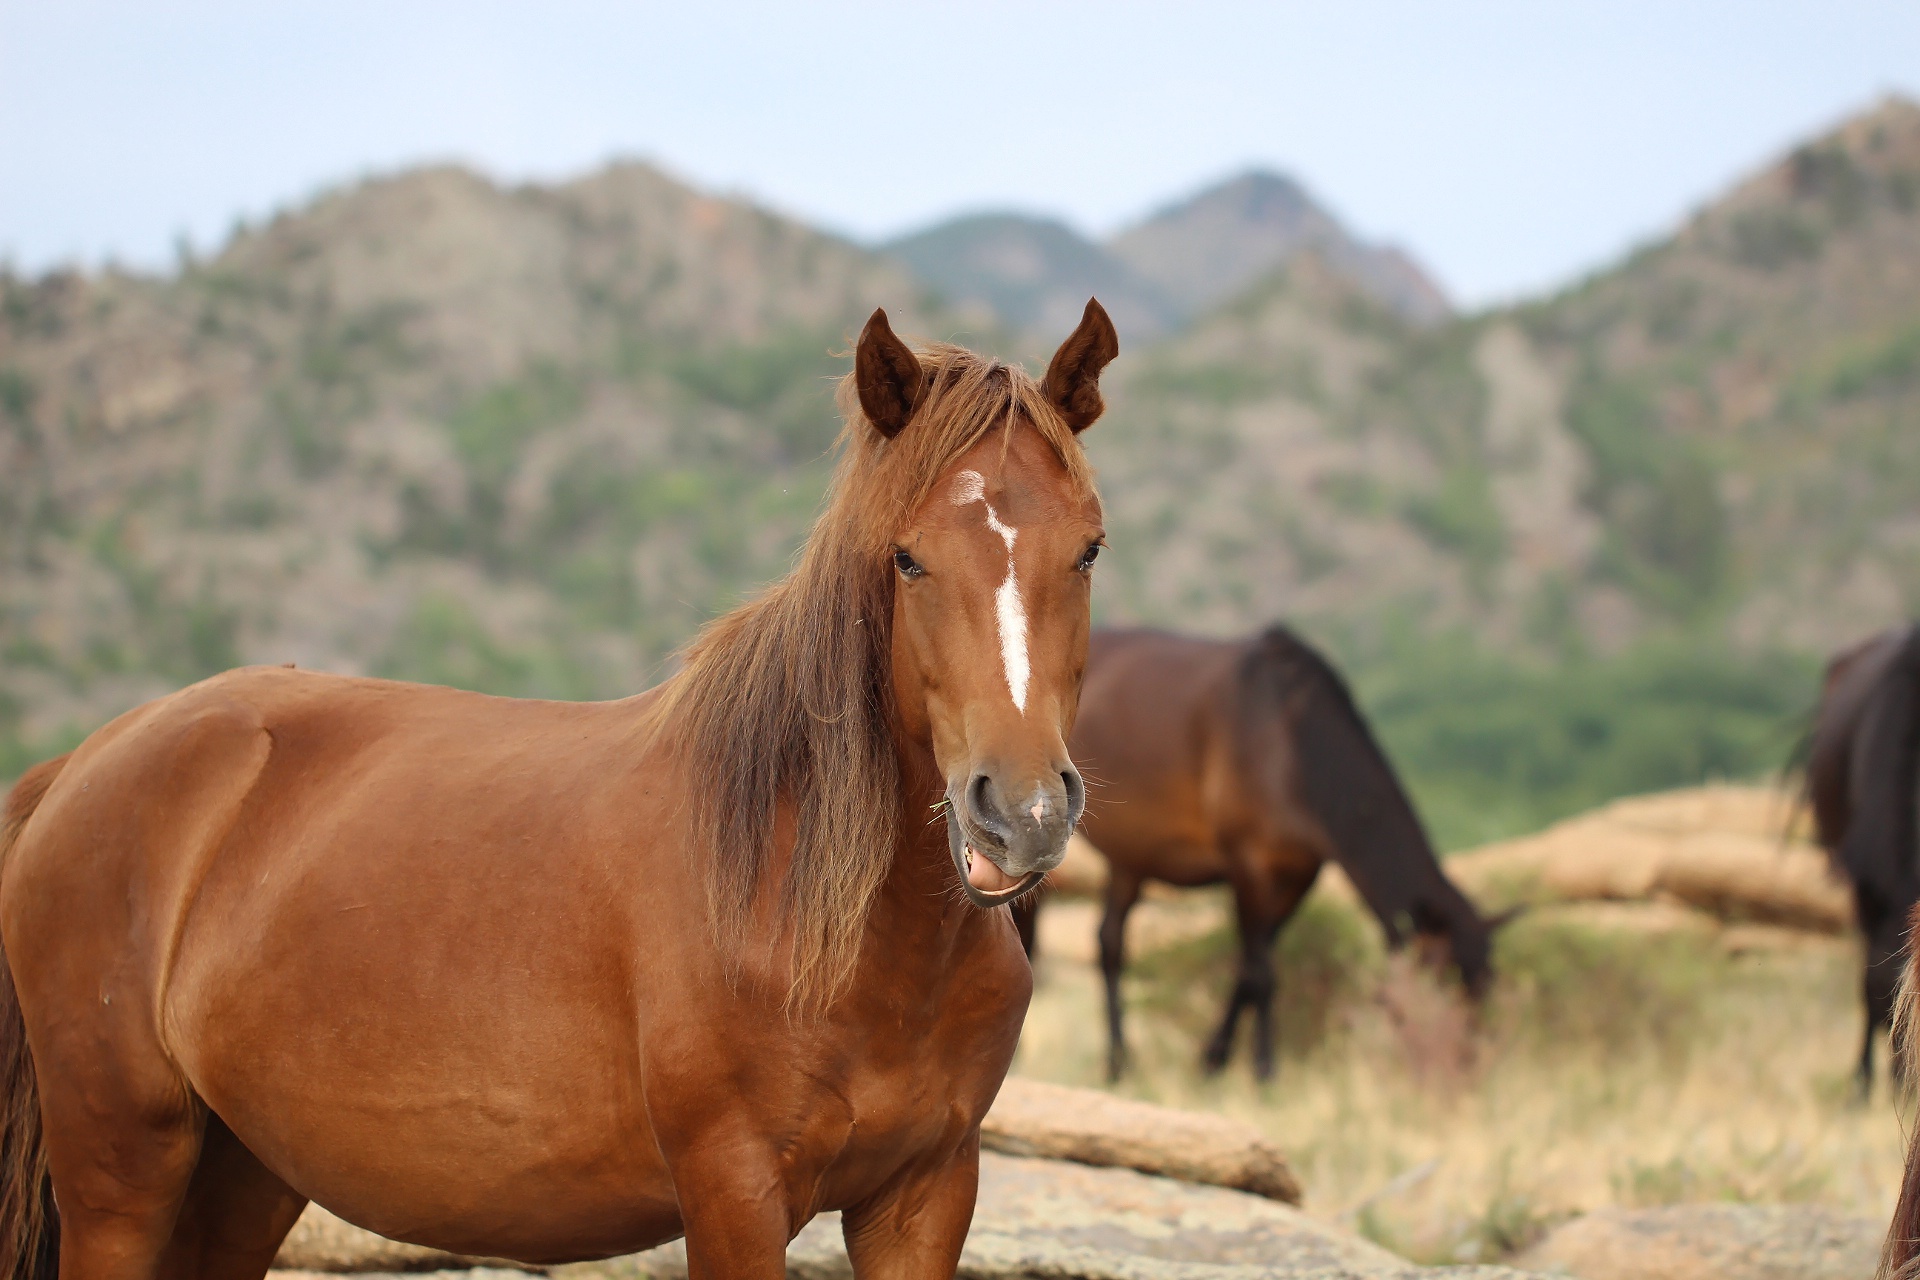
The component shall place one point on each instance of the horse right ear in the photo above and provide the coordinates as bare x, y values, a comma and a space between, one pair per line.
888, 376
1073, 379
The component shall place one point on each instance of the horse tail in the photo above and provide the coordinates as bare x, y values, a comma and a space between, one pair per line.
29, 1222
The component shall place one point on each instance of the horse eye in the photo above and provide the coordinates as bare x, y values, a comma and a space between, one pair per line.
907, 565
1087, 558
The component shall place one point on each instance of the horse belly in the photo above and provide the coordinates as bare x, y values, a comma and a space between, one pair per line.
459, 1069
519, 1139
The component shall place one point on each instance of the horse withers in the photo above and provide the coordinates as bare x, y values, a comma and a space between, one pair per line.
1862, 758
1246, 761
554, 981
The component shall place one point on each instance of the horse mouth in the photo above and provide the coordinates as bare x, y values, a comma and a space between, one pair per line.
985, 882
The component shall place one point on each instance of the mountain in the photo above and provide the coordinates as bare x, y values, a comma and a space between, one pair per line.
1034, 275
1718, 433
1214, 245
524, 439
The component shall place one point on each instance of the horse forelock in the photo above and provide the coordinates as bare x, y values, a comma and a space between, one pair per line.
789, 697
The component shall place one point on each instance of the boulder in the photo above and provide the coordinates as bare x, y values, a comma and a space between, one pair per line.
1713, 1242
1030, 1118
1725, 850
1056, 1220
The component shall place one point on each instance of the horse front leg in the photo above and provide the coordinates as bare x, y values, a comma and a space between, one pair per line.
1123, 890
1880, 983
915, 1229
1288, 890
735, 1212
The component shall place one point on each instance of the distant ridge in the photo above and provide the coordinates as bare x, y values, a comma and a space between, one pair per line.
1211, 246
1033, 274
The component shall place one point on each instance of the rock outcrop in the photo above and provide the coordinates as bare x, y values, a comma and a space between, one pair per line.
1063, 1221
1713, 1242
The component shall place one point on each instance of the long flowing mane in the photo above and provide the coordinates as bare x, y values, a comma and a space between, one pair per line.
789, 697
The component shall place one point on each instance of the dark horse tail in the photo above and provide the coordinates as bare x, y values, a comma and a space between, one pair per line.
1342, 776
29, 1223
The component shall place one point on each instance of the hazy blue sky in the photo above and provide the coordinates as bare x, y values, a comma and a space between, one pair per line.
1508, 145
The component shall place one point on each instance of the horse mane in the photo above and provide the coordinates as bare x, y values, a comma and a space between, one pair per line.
1345, 781
789, 698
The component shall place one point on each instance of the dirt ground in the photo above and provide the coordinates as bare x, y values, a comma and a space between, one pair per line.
1634, 1052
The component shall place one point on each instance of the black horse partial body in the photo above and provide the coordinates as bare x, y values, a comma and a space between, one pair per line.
1863, 782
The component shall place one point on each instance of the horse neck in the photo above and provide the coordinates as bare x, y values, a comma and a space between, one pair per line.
919, 916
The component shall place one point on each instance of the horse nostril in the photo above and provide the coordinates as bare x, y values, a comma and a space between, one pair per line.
1076, 794
980, 800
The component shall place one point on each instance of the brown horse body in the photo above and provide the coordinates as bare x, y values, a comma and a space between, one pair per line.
1246, 762
467, 971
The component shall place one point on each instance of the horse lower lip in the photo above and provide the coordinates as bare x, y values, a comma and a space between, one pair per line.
983, 875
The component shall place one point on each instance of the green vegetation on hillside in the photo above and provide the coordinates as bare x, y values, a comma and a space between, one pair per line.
1491, 746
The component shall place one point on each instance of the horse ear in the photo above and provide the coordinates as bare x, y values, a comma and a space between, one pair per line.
888, 376
1073, 379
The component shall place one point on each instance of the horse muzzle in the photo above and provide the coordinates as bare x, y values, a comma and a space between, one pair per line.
983, 876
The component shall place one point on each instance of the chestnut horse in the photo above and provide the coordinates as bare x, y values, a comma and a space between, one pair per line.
1862, 757
555, 981
1246, 761
1900, 1255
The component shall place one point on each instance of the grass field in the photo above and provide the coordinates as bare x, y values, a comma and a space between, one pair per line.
1630, 1054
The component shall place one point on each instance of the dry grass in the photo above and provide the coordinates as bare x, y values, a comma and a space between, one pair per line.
1630, 1055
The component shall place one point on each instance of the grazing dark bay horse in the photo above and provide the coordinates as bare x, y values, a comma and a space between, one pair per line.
1246, 761
555, 981
1862, 758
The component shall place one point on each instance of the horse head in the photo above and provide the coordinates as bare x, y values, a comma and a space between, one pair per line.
993, 567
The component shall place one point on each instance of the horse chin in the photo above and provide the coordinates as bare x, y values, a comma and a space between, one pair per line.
983, 880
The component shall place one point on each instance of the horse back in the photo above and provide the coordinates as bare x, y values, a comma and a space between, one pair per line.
1155, 737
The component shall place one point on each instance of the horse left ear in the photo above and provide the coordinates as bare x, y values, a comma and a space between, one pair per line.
1073, 379
888, 376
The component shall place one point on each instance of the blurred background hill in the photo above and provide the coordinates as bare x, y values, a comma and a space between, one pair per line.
527, 438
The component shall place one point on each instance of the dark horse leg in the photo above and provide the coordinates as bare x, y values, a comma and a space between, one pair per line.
1026, 919
1885, 945
1262, 907
1123, 890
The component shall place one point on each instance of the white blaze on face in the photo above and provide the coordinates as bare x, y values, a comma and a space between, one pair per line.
1009, 609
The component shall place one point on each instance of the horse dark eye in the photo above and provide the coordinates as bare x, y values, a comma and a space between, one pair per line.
1087, 558
907, 565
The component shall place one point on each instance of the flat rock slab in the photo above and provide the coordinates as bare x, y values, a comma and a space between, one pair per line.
1713, 1242
1052, 1220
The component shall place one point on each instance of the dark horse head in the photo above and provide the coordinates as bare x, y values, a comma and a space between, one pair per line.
1329, 761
